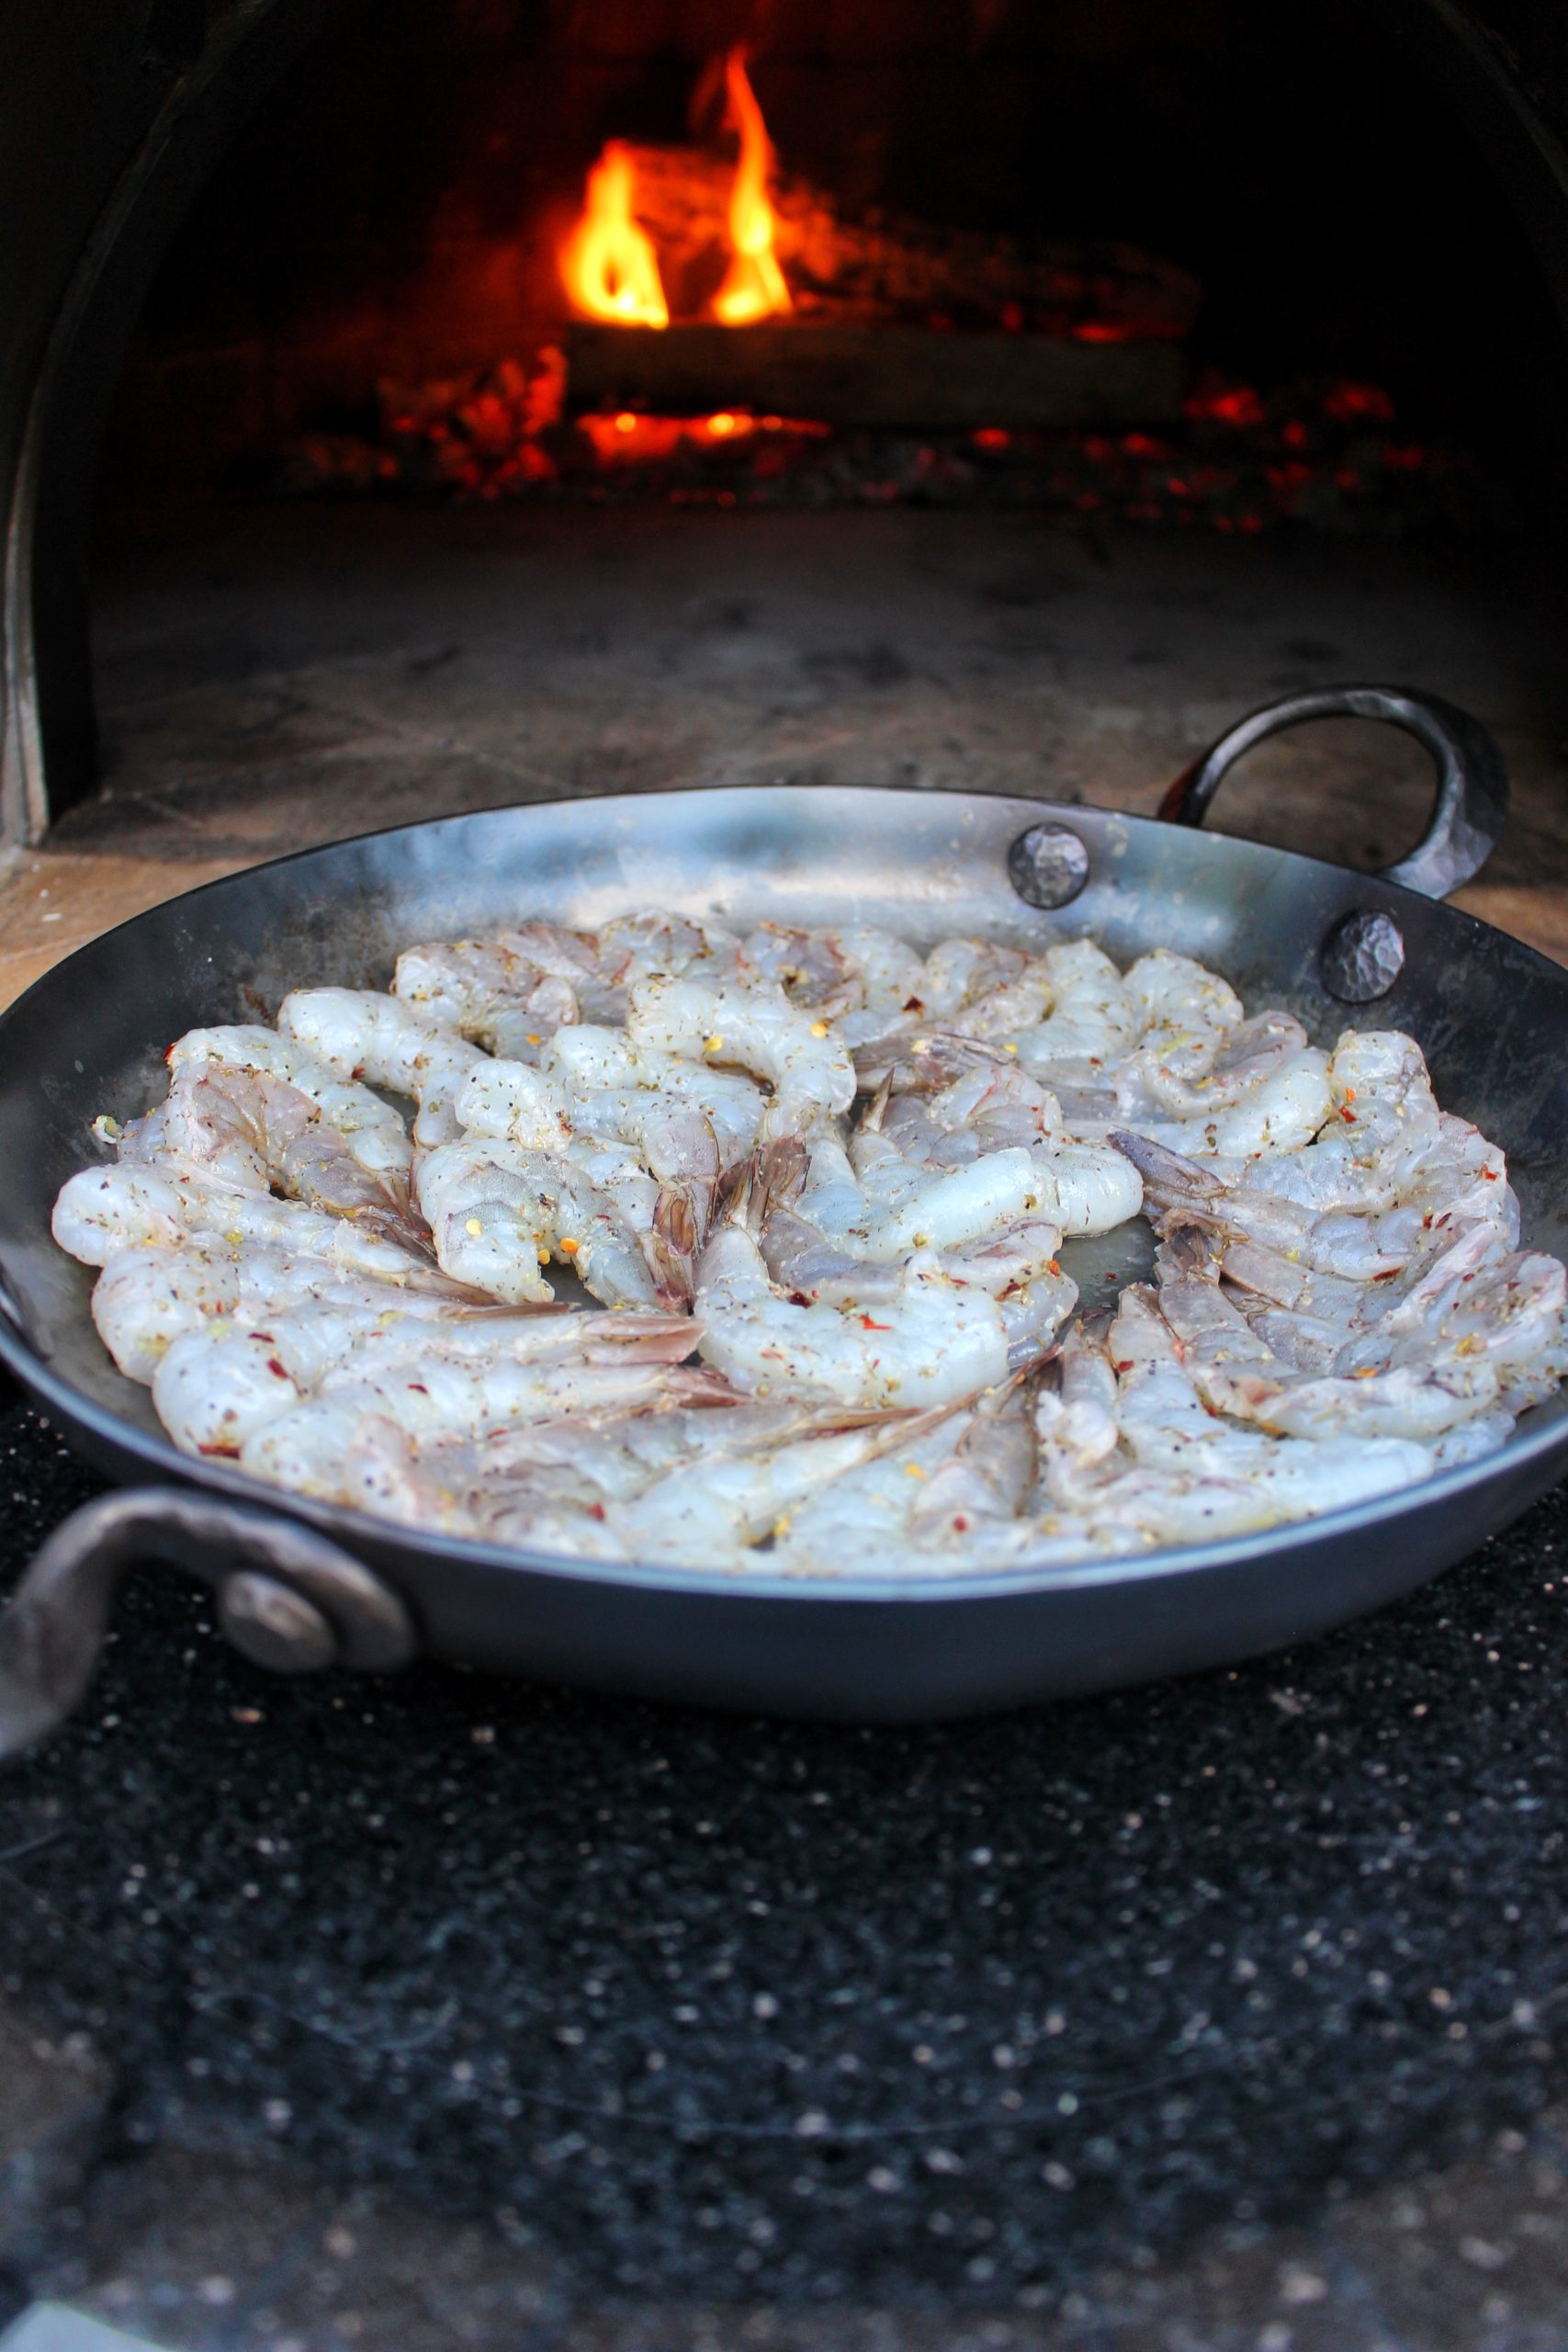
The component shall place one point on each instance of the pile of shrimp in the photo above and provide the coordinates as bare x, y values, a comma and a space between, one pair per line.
809, 1187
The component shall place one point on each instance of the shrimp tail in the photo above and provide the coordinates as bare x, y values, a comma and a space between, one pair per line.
1165, 1171
876, 1109
671, 1245
737, 1195
649, 1335
781, 1173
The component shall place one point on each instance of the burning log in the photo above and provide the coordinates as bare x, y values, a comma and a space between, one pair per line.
869, 375
887, 267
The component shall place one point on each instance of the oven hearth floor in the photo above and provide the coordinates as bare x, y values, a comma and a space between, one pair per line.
271, 677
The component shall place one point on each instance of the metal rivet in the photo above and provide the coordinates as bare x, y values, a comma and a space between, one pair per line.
1048, 865
1362, 957
274, 1625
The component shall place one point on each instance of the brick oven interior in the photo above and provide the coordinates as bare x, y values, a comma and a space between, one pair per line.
304, 626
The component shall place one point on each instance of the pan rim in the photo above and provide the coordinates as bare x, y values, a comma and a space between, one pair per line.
358, 1529
1071, 812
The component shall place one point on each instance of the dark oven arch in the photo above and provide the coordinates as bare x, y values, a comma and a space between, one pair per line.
111, 119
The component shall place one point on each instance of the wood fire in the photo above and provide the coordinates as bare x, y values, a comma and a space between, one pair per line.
610, 265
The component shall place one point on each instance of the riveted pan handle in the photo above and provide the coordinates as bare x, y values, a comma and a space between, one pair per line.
1472, 782
288, 1597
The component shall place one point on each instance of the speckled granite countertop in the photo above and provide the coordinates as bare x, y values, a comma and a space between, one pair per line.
440, 2011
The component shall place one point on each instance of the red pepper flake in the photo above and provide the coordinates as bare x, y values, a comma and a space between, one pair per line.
1490, 1176
867, 1325
595, 1510
913, 1004
1052, 1267
273, 1365
961, 1525
1348, 1117
1124, 1367
419, 1388
228, 1452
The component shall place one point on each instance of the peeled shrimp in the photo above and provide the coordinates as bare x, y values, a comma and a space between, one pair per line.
714, 1517
853, 978
372, 1129
360, 1033
931, 1342
499, 1210
216, 1388
147, 1297
1092, 1017
940, 1489
757, 1029
103, 1210
256, 1133
512, 990
602, 1083
1176, 1473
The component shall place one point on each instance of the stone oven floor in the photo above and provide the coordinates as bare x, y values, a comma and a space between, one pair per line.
271, 677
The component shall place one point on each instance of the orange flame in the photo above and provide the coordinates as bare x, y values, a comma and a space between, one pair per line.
609, 264
754, 286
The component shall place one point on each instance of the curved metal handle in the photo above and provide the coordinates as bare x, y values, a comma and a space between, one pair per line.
288, 1596
1472, 782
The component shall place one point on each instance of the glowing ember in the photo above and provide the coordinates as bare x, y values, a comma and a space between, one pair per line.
609, 266
753, 287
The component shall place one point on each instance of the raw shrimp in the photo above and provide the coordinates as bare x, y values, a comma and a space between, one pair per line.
1199, 1073
215, 1389
931, 1342
1178, 1474
1092, 1018
498, 992
498, 1211
989, 1105
603, 1080
498, 1485
674, 1142
937, 1490
1176, 998
658, 1161
757, 1028
888, 1379
149, 1296
335, 1443
259, 1133
103, 1210
1082, 1187
361, 1033
373, 1130
854, 978
1278, 1111
828, 1238
512, 990
976, 987
715, 1517
633, 947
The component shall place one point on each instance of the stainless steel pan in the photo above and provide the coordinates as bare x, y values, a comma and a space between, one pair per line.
301, 1584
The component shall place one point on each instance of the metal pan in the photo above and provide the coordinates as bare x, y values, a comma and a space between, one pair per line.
301, 1584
